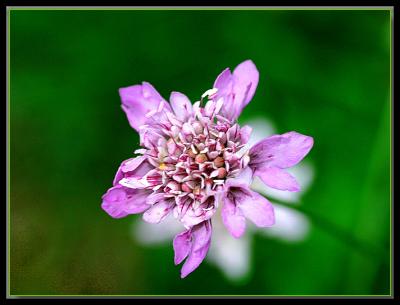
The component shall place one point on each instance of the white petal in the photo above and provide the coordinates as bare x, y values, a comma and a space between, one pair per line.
149, 233
304, 173
231, 255
290, 225
262, 128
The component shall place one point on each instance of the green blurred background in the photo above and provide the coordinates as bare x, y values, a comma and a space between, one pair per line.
324, 73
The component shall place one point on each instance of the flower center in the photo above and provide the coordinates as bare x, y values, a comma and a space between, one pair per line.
197, 159
191, 157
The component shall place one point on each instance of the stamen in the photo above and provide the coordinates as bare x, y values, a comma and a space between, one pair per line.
210, 93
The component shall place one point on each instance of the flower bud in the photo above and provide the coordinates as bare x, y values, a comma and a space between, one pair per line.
222, 172
201, 158
219, 161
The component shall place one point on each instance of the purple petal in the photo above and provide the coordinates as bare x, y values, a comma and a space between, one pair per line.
119, 202
153, 198
258, 209
281, 151
203, 212
141, 170
158, 211
131, 164
233, 218
133, 182
245, 133
246, 73
181, 105
201, 241
236, 89
118, 176
194, 260
191, 218
149, 136
243, 180
232, 133
224, 82
182, 244
278, 179
137, 101
201, 235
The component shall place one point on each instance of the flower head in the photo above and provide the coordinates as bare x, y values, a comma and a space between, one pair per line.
194, 160
233, 255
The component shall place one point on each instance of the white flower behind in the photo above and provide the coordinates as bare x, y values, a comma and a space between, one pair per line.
230, 254
150, 234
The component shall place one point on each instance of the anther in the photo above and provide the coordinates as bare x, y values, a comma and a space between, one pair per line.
162, 166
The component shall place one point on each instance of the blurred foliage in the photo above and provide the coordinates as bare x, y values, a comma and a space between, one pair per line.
322, 73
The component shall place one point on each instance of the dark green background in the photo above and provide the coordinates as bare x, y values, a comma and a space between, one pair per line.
322, 73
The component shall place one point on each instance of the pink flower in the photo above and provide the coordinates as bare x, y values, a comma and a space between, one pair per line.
195, 160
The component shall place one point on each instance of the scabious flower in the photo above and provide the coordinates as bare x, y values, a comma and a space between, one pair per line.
194, 161
233, 255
